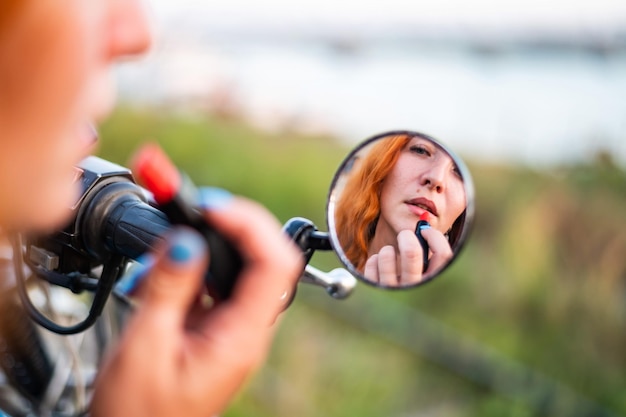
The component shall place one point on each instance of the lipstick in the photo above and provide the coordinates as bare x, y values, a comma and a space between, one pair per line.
421, 225
178, 198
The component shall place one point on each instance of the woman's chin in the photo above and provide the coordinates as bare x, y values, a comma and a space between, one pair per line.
54, 220
50, 214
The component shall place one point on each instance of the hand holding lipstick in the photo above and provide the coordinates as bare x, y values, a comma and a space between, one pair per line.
417, 256
179, 199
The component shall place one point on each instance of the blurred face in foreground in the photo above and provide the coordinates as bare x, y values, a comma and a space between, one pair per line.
56, 57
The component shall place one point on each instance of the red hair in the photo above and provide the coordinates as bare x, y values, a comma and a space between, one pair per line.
357, 212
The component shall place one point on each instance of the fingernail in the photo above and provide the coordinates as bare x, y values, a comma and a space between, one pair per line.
136, 274
185, 245
214, 198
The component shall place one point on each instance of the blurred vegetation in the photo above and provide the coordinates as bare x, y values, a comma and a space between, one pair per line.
530, 320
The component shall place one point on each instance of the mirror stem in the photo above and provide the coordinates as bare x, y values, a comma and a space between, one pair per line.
304, 234
338, 283
319, 241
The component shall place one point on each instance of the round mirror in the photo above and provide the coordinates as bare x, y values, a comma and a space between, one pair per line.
399, 209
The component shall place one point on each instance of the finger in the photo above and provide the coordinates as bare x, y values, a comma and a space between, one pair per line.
272, 263
441, 252
411, 262
370, 271
174, 281
387, 266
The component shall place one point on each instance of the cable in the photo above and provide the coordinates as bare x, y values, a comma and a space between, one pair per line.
110, 274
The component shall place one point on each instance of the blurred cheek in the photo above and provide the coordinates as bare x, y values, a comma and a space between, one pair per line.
56, 81
99, 95
456, 203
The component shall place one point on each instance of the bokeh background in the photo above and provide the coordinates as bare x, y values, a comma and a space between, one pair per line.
265, 99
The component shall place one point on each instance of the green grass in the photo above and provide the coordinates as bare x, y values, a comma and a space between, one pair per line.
530, 320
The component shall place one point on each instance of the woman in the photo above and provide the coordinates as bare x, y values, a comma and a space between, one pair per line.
400, 179
55, 58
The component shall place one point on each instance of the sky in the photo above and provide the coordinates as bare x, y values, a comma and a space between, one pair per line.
538, 107
559, 14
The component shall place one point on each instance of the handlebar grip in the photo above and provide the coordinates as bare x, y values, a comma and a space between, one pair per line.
134, 227
118, 220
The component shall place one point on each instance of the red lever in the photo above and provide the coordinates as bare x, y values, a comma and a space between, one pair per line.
157, 173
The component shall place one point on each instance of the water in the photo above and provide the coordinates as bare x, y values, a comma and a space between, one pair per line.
526, 106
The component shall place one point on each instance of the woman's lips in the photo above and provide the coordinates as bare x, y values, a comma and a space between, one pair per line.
88, 134
87, 138
421, 205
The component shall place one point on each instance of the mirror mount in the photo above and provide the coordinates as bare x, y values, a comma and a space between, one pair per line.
306, 235
338, 283
319, 241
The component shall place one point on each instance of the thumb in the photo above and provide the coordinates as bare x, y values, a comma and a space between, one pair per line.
440, 248
173, 283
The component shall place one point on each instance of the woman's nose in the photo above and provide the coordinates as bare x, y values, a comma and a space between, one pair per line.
130, 30
435, 178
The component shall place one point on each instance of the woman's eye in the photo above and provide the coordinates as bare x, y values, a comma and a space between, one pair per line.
420, 150
457, 171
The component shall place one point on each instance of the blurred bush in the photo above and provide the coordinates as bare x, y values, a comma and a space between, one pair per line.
531, 319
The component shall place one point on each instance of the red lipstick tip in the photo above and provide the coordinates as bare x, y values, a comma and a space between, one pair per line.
156, 172
425, 216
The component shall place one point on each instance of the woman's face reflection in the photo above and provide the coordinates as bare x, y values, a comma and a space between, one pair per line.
423, 179
382, 192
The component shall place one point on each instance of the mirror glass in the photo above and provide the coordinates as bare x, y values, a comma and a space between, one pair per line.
400, 208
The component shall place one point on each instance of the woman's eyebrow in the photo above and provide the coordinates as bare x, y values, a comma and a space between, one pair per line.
418, 139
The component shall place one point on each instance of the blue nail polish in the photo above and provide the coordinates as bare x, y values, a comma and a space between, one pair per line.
180, 253
184, 246
214, 198
131, 281
146, 259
